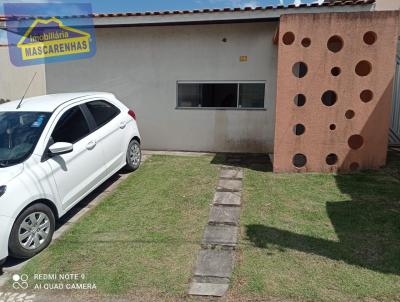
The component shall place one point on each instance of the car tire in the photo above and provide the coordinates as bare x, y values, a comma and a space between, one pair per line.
32, 231
133, 156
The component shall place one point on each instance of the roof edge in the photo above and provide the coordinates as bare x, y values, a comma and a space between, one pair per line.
336, 3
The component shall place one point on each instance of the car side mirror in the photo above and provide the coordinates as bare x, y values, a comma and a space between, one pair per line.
61, 148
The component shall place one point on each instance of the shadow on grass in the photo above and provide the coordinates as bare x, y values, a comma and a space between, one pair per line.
256, 162
367, 226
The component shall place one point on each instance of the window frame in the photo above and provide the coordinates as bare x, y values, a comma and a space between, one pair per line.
90, 116
237, 108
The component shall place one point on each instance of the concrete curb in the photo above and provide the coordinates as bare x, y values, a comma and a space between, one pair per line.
178, 153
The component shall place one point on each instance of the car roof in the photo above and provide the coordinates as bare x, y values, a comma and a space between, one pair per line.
50, 102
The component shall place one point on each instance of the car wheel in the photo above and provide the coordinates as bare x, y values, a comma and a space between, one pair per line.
133, 156
32, 231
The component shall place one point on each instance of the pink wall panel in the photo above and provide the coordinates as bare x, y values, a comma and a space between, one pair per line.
349, 114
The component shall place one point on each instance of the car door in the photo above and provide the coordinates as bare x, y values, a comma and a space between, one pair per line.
78, 172
111, 132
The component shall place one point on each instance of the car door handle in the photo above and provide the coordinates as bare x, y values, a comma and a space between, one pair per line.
91, 145
122, 125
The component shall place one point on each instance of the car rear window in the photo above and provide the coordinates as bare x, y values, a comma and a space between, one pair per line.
102, 111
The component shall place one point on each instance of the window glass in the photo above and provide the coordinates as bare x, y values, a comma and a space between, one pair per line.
19, 134
102, 111
251, 95
207, 95
189, 95
71, 127
221, 95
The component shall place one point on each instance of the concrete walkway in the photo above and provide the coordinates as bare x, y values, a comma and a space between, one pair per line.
215, 260
177, 153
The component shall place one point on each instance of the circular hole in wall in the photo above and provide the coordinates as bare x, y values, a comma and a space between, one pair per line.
370, 37
355, 141
300, 100
306, 42
300, 69
331, 159
299, 160
335, 43
354, 166
299, 129
335, 71
350, 114
288, 38
366, 95
332, 127
329, 98
363, 68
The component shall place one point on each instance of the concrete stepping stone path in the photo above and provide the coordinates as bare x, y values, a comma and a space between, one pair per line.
216, 235
227, 199
215, 261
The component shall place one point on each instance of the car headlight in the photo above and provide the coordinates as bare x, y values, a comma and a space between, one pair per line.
2, 190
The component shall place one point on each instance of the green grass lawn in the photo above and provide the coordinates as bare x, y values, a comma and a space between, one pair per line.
143, 238
320, 237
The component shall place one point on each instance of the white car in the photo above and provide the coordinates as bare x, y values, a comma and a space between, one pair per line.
55, 150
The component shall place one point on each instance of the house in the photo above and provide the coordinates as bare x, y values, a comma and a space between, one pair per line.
203, 80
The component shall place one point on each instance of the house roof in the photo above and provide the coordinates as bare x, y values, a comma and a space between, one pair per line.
221, 14
326, 3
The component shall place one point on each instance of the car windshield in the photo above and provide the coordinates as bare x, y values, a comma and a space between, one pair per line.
19, 134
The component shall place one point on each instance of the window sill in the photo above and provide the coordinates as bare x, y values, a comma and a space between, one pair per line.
221, 108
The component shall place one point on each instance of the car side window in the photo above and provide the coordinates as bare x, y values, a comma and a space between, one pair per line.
102, 111
71, 127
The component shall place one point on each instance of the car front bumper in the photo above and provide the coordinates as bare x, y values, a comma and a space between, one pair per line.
5, 229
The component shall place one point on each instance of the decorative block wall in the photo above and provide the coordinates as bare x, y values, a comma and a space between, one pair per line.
334, 90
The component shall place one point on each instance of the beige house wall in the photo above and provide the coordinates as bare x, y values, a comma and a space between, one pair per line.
142, 65
14, 80
387, 5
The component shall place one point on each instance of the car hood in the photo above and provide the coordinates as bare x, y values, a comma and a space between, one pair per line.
8, 173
